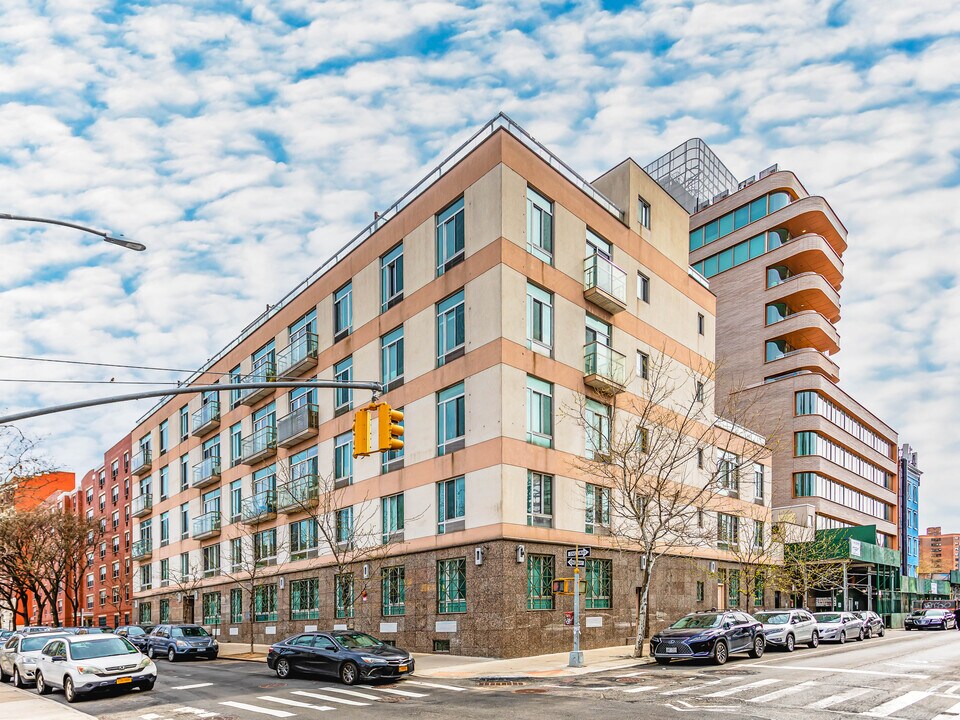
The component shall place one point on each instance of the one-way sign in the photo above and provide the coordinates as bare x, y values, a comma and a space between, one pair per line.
581, 552
576, 562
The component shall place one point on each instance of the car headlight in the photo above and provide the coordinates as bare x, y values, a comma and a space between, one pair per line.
773, 633
144, 664
181, 643
29, 661
89, 670
214, 644
373, 660
655, 639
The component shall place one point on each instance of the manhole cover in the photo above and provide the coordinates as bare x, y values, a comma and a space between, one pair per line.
530, 691
499, 683
391, 699
629, 680
271, 686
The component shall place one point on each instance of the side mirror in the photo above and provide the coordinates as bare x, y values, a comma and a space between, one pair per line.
59, 658
727, 625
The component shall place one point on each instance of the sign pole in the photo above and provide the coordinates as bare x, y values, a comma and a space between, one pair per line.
576, 657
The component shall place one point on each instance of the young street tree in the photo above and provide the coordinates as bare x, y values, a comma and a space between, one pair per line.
659, 458
810, 558
757, 552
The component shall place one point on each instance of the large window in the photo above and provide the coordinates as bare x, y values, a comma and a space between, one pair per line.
597, 509
539, 319
539, 412
236, 500
343, 458
211, 560
597, 417
343, 396
343, 595
539, 499
810, 484
265, 603
451, 505
236, 444
305, 599
452, 586
540, 582
145, 612
391, 278
344, 526
451, 419
450, 237
450, 328
391, 510
738, 218
393, 591
391, 358
742, 252
728, 530
811, 443
598, 574
728, 477
343, 311
810, 402
303, 539
265, 547
758, 480
733, 588
164, 529
210, 602
539, 226
164, 611
236, 606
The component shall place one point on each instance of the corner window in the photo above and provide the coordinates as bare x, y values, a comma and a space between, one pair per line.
540, 582
597, 509
450, 250
342, 312
391, 278
539, 499
539, 226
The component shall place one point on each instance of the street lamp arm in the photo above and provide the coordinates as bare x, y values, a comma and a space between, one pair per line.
374, 387
122, 242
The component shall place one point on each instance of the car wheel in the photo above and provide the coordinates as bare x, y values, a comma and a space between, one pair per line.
883, 631
814, 640
171, 655
758, 647
69, 692
17, 680
212, 657
842, 639
150, 652
4, 678
349, 673
860, 635
720, 654
868, 633
283, 669
42, 687
149, 686
790, 643
663, 661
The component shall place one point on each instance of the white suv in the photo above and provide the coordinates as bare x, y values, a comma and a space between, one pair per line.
84, 663
788, 628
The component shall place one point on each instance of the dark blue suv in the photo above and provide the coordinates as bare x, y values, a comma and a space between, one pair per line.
709, 635
181, 641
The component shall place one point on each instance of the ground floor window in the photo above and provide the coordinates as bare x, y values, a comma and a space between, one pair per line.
598, 576
343, 596
452, 585
211, 608
733, 588
236, 606
164, 611
394, 592
145, 613
305, 599
265, 603
540, 582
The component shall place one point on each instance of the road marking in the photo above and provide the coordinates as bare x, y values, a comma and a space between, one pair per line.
898, 703
258, 709
365, 696
777, 694
404, 693
741, 688
687, 707
848, 670
191, 687
438, 685
294, 703
633, 674
950, 714
703, 685
837, 699
200, 713
953, 689
641, 689
328, 698
149, 716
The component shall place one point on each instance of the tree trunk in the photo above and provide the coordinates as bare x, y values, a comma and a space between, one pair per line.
250, 620
642, 612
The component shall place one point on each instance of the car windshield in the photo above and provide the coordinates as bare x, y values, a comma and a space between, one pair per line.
89, 649
769, 618
30, 644
189, 632
135, 631
828, 617
708, 620
933, 613
358, 640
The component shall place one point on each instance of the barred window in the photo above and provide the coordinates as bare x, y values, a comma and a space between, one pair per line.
540, 582
236, 606
343, 596
305, 599
452, 585
394, 592
265, 603
598, 576
211, 608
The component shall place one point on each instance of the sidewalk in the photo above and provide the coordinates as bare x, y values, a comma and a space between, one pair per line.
27, 704
241, 651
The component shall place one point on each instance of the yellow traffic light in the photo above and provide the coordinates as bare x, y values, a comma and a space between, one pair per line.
361, 433
389, 430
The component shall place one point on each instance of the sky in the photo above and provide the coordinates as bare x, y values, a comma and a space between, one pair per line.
244, 142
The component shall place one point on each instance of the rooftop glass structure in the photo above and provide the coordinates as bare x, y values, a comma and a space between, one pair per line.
692, 174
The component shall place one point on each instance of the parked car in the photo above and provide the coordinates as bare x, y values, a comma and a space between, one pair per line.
81, 664
713, 635
785, 628
30, 629
839, 626
872, 623
84, 630
6, 634
181, 641
932, 619
136, 634
351, 656
18, 657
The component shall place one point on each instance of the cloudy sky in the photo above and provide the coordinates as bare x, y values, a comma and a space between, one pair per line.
244, 141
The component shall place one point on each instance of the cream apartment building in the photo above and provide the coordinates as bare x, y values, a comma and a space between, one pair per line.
491, 297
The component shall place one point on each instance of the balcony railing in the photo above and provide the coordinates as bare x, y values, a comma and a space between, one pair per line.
206, 418
259, 508
261, 444
140, 463
264, 372
299, 494
142, 549
206, 472
298, 356
207, 525
604, 284
142, 505
302, 423
603, 367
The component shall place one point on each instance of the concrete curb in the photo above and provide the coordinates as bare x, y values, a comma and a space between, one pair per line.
16, 703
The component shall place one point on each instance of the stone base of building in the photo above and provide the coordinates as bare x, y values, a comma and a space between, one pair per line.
500, 620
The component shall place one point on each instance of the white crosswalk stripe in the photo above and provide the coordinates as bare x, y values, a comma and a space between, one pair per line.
694, 688
951, 713
633, 674
953, 689
354, 693
644, 688
294, 703
777, 694
832, 700
437, 685
404, 693
742, 688
329, 698
258, 709
898, 703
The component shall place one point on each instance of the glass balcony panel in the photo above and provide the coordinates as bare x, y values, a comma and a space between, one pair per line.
260, 507
299, 355
603, 367
266, 371
206, 418
259, 445
207, 525
206, 472
302, 423
604, 284
299, 494
141, 505
140, 463
142, 549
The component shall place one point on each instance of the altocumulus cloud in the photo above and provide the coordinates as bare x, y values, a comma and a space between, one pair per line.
245, 141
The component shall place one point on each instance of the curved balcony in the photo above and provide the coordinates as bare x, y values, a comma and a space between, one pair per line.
808, 253
603, 368
141, 505
259, 508
806, 329
299, 425
141, 462
206, 472
298, 357
258, 446
205, 419
806, 291
205, 526
796, 361
264, 372
604, 284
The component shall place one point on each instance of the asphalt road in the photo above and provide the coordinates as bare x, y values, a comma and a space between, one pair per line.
906, 676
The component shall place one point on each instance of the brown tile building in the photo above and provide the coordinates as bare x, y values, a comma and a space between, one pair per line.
939, 552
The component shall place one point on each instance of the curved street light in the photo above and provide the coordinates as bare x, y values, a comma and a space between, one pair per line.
107, 237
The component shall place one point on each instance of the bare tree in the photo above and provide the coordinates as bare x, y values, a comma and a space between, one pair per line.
21, 459
661, 458
757, 552
187, 583
810, 558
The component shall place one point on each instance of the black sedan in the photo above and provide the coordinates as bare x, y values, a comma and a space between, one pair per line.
709, 635
351, 656
933, 619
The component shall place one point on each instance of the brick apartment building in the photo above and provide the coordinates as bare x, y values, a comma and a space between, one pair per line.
939, 551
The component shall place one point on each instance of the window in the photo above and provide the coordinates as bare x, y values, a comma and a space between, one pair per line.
450, 237
303, 539
451, 505
115, 518
539, 412
738, 218
391, 278
393, 591
701, 323
211, 560
452, 585
305, 599
164, 436
184, 472
597, 509
539, 319
597, 418
184, 422
733, 588
728, 530
450, 328
758, 584
344, 526
164, 611
698, 391
342, 312
184, 521
451, 419
643, 212
539, 499
343, 397
758, 480
643, 365
236, 554
145, 612
811, 443
540, 582
391, 358
810, 484
643, 287
700, 458
236, 606
343, 459
539, 226
236, 500
236, 444
699, 590
265, 547
391, 509
598, 576
146, 578
343, 595
164, 529
164, 484
810, 402
596, 245
728, 472
210, 602
758, 533
265, 603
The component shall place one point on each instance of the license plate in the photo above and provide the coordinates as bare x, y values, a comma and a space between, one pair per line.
121, 681
671, 650
402, 668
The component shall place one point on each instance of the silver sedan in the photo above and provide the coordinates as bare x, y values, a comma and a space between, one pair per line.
839, 627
